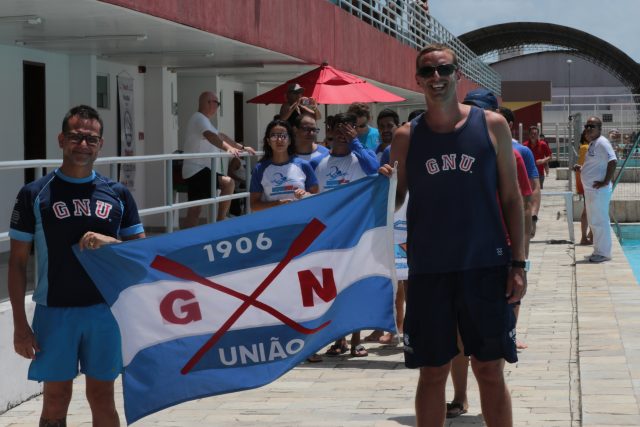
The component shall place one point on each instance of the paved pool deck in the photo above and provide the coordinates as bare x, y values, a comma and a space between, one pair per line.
582, 368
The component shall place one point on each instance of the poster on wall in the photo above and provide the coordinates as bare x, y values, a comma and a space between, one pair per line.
126, 126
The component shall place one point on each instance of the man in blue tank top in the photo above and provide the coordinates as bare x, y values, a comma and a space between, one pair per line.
457, 162
72, 325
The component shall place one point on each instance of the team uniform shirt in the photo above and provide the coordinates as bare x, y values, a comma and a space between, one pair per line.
333, 170
55, 211
315, 156
195, 142
599, 154
280, 181
386, 155
453, 214
529, 160
540, 151
380, 153
521, 173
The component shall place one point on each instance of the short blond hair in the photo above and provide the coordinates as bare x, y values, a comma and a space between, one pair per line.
436, 47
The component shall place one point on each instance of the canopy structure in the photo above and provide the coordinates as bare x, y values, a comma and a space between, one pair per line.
328, 85
521, 34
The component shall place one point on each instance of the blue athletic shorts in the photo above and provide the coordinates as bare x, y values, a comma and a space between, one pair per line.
472, 301
71, 335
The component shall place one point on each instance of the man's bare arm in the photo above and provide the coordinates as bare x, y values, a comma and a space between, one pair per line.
24, 342
510, 200
216, 141
226, 138
608, 176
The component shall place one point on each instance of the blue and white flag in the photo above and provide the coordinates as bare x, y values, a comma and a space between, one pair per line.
235, 305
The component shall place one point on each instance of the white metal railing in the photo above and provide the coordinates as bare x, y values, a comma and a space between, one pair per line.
409, 22
170, 207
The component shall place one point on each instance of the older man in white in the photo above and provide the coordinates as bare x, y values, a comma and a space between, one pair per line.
596, 174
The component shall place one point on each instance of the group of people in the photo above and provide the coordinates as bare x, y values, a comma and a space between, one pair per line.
295, 166
465, 241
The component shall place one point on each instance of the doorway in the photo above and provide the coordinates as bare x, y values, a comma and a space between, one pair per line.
34, 114
238, 116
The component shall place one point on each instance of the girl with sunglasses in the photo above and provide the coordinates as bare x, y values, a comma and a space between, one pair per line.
280, 177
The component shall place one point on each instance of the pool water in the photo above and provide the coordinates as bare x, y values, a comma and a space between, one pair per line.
631, 247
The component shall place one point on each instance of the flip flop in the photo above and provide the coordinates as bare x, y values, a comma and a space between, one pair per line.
337, 349
455, 409
359, 351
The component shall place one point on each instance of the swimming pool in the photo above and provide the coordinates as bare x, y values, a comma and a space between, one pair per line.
631, 246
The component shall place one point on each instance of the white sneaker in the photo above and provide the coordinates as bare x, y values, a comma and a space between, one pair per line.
598, 258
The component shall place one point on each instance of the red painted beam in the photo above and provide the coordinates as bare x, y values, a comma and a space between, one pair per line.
311, 30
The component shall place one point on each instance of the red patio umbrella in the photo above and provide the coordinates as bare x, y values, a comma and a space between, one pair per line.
328, 85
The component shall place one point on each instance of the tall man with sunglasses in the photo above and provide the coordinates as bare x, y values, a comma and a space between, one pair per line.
202, 137
72, 324
596, 174
457, 162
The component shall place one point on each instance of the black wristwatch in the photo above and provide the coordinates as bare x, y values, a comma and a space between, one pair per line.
525, 265
534, 218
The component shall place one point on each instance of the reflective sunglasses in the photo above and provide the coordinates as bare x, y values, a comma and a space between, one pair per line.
77, 138
590, 126
442, 69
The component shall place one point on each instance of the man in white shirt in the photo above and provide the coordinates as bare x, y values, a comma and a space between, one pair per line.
202, 137
596, 174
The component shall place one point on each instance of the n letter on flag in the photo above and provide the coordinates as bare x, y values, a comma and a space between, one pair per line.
309, 284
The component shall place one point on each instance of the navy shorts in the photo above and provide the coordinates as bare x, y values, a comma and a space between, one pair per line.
199, 185
472, 301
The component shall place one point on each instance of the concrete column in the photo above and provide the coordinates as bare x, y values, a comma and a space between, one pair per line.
161, 133
82, 80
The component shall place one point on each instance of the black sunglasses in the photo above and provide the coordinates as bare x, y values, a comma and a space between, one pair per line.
77, 138
442, 69
590, 126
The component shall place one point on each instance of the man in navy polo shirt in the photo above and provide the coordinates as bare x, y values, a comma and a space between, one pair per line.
72, 324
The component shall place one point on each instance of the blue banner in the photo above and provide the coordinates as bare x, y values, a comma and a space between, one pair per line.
235, 305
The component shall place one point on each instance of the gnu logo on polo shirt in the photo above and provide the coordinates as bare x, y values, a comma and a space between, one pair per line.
450, 162
81, 207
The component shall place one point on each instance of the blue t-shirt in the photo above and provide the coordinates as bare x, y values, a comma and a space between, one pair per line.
529, 160
55, 211
371, 140
279, 181
333, 170
315, 156
385, 156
